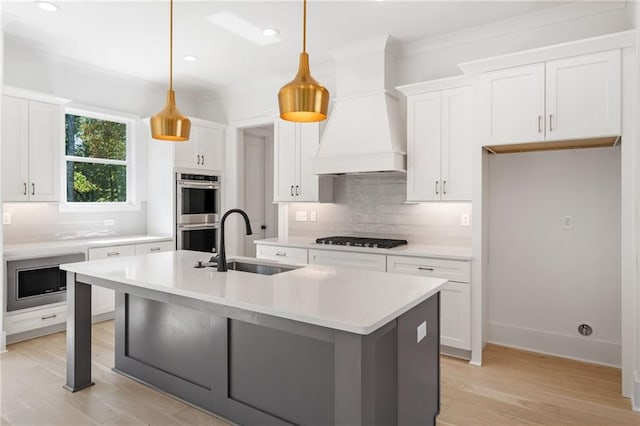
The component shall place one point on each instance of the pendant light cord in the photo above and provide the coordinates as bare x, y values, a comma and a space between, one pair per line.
171, 45
304, 27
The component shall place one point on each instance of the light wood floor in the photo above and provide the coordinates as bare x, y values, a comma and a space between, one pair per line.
512, 388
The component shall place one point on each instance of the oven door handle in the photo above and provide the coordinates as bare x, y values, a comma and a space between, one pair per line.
198, 185
200, 226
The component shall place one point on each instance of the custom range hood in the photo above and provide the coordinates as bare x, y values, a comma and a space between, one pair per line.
364, 132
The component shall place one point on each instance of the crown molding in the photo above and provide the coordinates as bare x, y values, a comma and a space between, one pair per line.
567, 12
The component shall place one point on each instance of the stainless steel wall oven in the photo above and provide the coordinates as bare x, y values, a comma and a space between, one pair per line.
197, 198
197, 211
37, 281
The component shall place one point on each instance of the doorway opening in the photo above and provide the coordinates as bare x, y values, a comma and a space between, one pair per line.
255, 180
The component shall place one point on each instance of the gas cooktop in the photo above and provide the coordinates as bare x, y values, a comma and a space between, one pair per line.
361, 242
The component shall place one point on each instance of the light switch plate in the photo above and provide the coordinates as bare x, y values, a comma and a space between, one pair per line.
422, 331
313, 216
6, 218
567, 223
301, 216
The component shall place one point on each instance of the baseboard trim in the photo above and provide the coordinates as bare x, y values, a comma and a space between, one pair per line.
580, 349
455, 352
635, 398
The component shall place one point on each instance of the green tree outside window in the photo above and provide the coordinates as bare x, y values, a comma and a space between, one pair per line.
96, 154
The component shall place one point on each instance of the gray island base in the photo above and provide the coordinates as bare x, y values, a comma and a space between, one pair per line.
258, 369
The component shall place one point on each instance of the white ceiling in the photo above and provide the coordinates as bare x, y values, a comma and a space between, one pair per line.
132, 37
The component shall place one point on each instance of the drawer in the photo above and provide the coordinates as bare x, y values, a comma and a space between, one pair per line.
282, 254
452, 270
367, 261
32, 320
111, 251
146, 248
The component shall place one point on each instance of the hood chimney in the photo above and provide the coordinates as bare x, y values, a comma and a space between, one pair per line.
364, 132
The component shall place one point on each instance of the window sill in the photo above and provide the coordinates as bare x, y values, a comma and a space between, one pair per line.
98, 207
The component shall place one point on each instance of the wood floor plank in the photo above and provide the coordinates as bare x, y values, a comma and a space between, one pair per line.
512, 388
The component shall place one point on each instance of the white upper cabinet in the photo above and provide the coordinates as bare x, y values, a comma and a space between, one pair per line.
513, 105
439, 136
583, 96
31, 143
572, 98
204, 150
294, 145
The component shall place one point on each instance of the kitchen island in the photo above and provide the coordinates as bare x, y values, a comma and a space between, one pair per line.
313, 345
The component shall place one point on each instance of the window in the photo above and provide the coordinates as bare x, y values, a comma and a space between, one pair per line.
97, 159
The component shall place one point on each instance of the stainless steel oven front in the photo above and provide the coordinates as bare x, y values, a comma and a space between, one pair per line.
197, 237
38, 281
197, 198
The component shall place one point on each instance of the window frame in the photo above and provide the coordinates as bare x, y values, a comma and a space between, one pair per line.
131, 122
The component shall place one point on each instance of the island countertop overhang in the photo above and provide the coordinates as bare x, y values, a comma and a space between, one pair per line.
349, 300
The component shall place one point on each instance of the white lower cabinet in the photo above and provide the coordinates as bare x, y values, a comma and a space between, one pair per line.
146, 248
103, 299
36, 318
367, 261
282, 254
455, 298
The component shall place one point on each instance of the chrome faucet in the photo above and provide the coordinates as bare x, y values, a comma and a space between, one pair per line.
221, 259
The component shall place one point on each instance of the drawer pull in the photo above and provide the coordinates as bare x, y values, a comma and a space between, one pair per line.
424, 268
49, 317
281, 253
113, 253
155, 249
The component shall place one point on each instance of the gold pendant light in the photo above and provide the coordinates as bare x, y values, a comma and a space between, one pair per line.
303, 99
170, 124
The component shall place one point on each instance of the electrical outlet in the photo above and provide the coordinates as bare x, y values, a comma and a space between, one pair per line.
6, 218
301, 216
422, 331
567, 223
313, 216
465, 219
109, 222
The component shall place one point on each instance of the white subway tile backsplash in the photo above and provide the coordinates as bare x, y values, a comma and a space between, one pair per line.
375, 205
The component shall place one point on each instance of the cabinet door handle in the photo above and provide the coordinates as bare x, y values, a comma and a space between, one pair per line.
539, 124
292, 190
48, 317
424, 268
437, 193
33, 189
25, 188
198, 159
155, 249
203, 160
113, 253
444, 187
297, 192
551, 122
281, 253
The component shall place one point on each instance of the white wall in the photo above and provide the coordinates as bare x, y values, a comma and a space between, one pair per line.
543, 280
635, 294
2, 332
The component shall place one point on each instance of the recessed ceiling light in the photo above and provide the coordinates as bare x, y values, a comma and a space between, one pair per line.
270, 32
190, 58
49, 7
241, 27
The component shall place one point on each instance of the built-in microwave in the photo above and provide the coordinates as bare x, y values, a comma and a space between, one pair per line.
38, 281
197, 198
197, 237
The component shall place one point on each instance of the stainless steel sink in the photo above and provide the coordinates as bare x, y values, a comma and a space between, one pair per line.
258, 268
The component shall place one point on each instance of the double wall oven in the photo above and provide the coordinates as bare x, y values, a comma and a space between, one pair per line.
197, 211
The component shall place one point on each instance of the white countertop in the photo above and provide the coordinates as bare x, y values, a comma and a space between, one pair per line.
13, 251
339, 298
419, 250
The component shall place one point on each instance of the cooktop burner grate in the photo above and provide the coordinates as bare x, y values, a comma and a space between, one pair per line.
361, 242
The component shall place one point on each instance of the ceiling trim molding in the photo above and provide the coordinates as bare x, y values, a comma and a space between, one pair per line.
549, 53
435, 85
567, 12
